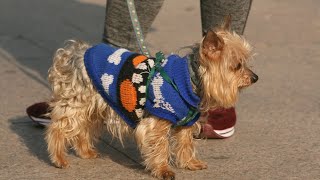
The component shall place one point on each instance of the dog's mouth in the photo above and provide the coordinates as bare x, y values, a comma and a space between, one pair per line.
253, 78
243, 86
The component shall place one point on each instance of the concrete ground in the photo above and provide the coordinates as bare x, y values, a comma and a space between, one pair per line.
278, 118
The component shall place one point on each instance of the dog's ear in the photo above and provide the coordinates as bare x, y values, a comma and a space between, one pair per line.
212, 45
227, 23
212, 42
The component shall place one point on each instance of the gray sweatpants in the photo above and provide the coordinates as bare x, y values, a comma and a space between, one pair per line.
118, 27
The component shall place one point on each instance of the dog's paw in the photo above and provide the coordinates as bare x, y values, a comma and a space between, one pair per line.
163, 173
63, 164
195, 164
168, 175
90, 154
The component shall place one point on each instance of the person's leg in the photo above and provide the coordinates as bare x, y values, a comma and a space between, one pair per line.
214, 11
118, 29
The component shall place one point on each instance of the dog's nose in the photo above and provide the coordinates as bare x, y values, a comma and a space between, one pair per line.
254, 78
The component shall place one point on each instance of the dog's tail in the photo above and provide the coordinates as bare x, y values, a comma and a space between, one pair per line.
72, 90
67, 63
67, 76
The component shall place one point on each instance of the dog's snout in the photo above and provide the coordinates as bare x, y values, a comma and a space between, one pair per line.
254, 78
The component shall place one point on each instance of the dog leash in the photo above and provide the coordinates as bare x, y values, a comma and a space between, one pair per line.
137, 28
193, 112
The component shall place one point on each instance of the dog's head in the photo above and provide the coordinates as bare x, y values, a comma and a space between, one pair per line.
223, 71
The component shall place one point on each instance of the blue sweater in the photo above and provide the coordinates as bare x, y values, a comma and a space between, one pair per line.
120, 76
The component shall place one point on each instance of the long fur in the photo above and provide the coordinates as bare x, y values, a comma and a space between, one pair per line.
79, 114
224, 83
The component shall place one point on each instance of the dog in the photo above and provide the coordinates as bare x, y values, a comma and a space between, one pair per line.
83, 105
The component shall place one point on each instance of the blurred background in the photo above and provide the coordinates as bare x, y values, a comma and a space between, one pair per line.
278, 117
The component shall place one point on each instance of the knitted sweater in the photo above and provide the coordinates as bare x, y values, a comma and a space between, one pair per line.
121, 76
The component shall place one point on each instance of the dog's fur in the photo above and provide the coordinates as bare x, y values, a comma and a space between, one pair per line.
79, 114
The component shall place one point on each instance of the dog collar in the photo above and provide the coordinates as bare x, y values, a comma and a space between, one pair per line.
193, 65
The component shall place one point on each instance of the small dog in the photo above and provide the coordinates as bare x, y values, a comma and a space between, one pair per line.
79, 112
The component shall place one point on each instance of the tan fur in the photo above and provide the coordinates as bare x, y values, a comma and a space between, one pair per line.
79, 114
220, 80
184, 149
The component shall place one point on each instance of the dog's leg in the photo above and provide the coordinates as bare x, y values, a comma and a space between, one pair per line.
87, 129
184, 149
152, 136
57, 144
84, 145
69, 127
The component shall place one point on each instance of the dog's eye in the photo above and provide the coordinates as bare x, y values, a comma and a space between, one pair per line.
238, 67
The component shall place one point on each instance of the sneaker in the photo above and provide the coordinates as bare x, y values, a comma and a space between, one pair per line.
36, 113
220, 124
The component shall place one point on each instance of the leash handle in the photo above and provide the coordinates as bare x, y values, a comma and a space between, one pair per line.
137, 28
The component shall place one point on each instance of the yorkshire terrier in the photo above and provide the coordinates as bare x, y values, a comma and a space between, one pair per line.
156, 99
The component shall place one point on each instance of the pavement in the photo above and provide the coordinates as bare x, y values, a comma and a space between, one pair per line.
278, 117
